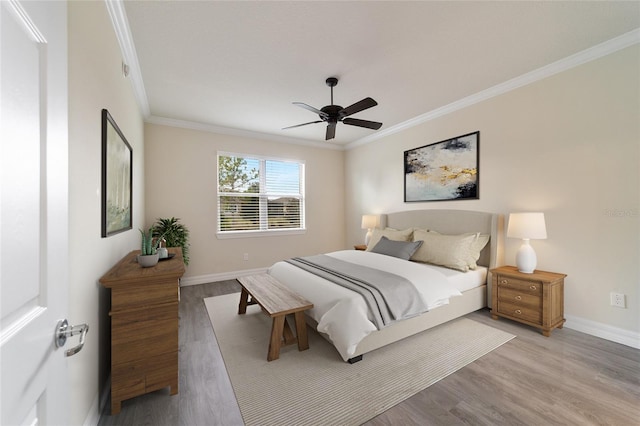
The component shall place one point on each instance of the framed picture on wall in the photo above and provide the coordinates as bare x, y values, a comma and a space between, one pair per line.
443, 171
117, 176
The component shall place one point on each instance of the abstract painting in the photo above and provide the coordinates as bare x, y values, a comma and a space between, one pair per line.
443, 171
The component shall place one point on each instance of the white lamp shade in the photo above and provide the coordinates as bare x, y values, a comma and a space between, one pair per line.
369, 221
527, 226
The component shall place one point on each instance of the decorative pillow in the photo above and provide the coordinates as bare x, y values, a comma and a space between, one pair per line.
451, 251
476, 248
390, 233
400, 249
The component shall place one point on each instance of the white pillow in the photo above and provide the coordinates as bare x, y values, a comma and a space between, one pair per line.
452, 251
390, 233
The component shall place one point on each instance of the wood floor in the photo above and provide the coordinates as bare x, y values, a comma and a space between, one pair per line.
569, 378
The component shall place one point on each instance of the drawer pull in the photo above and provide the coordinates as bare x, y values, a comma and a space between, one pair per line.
518, 311
504, 282
533, 287
518, 297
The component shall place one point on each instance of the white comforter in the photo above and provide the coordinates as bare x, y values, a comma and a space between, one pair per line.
341, 313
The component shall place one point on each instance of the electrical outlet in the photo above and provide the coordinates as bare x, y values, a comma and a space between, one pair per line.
245, 256
618, 300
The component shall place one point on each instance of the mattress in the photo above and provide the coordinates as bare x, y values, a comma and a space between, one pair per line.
464, 281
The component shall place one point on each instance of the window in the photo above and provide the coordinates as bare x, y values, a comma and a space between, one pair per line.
257, 194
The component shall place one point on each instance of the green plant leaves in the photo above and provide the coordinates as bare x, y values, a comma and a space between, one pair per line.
175, 233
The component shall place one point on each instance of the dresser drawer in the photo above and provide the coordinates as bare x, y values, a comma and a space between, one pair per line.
144, 333
520, 298
144, 294
142, 376
521, 312
531, 287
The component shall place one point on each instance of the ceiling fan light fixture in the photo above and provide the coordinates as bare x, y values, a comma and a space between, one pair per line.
333, 114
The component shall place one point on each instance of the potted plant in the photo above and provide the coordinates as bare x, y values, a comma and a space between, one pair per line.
174, 233
148, 250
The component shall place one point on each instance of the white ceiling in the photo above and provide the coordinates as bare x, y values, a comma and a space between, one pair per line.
241, 64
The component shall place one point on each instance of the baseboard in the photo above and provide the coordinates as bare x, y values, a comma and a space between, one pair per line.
93, 417
604, 331
211, 278
98, 406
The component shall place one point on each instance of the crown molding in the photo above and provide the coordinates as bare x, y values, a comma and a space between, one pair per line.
210, 128
128, 50
587, 55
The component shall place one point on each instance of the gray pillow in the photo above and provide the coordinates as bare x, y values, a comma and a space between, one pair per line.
400, 249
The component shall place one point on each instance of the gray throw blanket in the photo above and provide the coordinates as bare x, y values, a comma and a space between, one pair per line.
389, 297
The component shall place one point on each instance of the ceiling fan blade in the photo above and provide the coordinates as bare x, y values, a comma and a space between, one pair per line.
303, 124
312, 109
357, 107
331, 131
362, 123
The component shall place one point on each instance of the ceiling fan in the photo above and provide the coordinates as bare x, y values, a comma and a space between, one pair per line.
332, 114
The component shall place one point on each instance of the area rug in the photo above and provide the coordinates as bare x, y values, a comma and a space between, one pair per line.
316, 387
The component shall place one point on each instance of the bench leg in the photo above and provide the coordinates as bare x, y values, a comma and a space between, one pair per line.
287, 334
301, 331
244, 297
277, 329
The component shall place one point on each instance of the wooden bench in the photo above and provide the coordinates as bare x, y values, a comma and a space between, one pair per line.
277, 301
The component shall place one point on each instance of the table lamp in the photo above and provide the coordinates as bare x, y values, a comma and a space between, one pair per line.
528, 226
369, 221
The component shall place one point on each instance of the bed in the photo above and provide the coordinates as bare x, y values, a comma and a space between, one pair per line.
338, 312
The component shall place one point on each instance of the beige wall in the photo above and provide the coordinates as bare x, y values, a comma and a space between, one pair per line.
567, 146
95, 82
181, 182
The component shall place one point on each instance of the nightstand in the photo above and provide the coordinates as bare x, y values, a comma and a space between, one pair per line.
360, 247
535, 299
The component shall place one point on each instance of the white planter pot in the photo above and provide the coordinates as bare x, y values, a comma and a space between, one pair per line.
148, 260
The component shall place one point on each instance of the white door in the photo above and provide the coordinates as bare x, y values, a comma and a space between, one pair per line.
33, 211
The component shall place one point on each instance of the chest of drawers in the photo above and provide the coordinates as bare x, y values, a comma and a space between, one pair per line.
535, 299
144, 326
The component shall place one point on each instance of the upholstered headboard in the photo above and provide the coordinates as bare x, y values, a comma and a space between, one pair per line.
458, 222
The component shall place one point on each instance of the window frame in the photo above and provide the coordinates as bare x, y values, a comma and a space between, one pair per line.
262, 197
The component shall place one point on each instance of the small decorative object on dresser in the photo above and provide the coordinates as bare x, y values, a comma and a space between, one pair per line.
148, 250
536, 298
174, 234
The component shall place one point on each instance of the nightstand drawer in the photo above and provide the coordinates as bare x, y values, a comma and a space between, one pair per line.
531, 287
520, 312
520, 298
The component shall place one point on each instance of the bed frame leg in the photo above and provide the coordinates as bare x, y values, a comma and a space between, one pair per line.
354, 359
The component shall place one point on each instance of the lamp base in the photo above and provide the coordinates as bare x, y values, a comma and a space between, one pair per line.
526, 259
367, 237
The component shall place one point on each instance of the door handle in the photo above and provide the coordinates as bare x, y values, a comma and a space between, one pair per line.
63, 330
